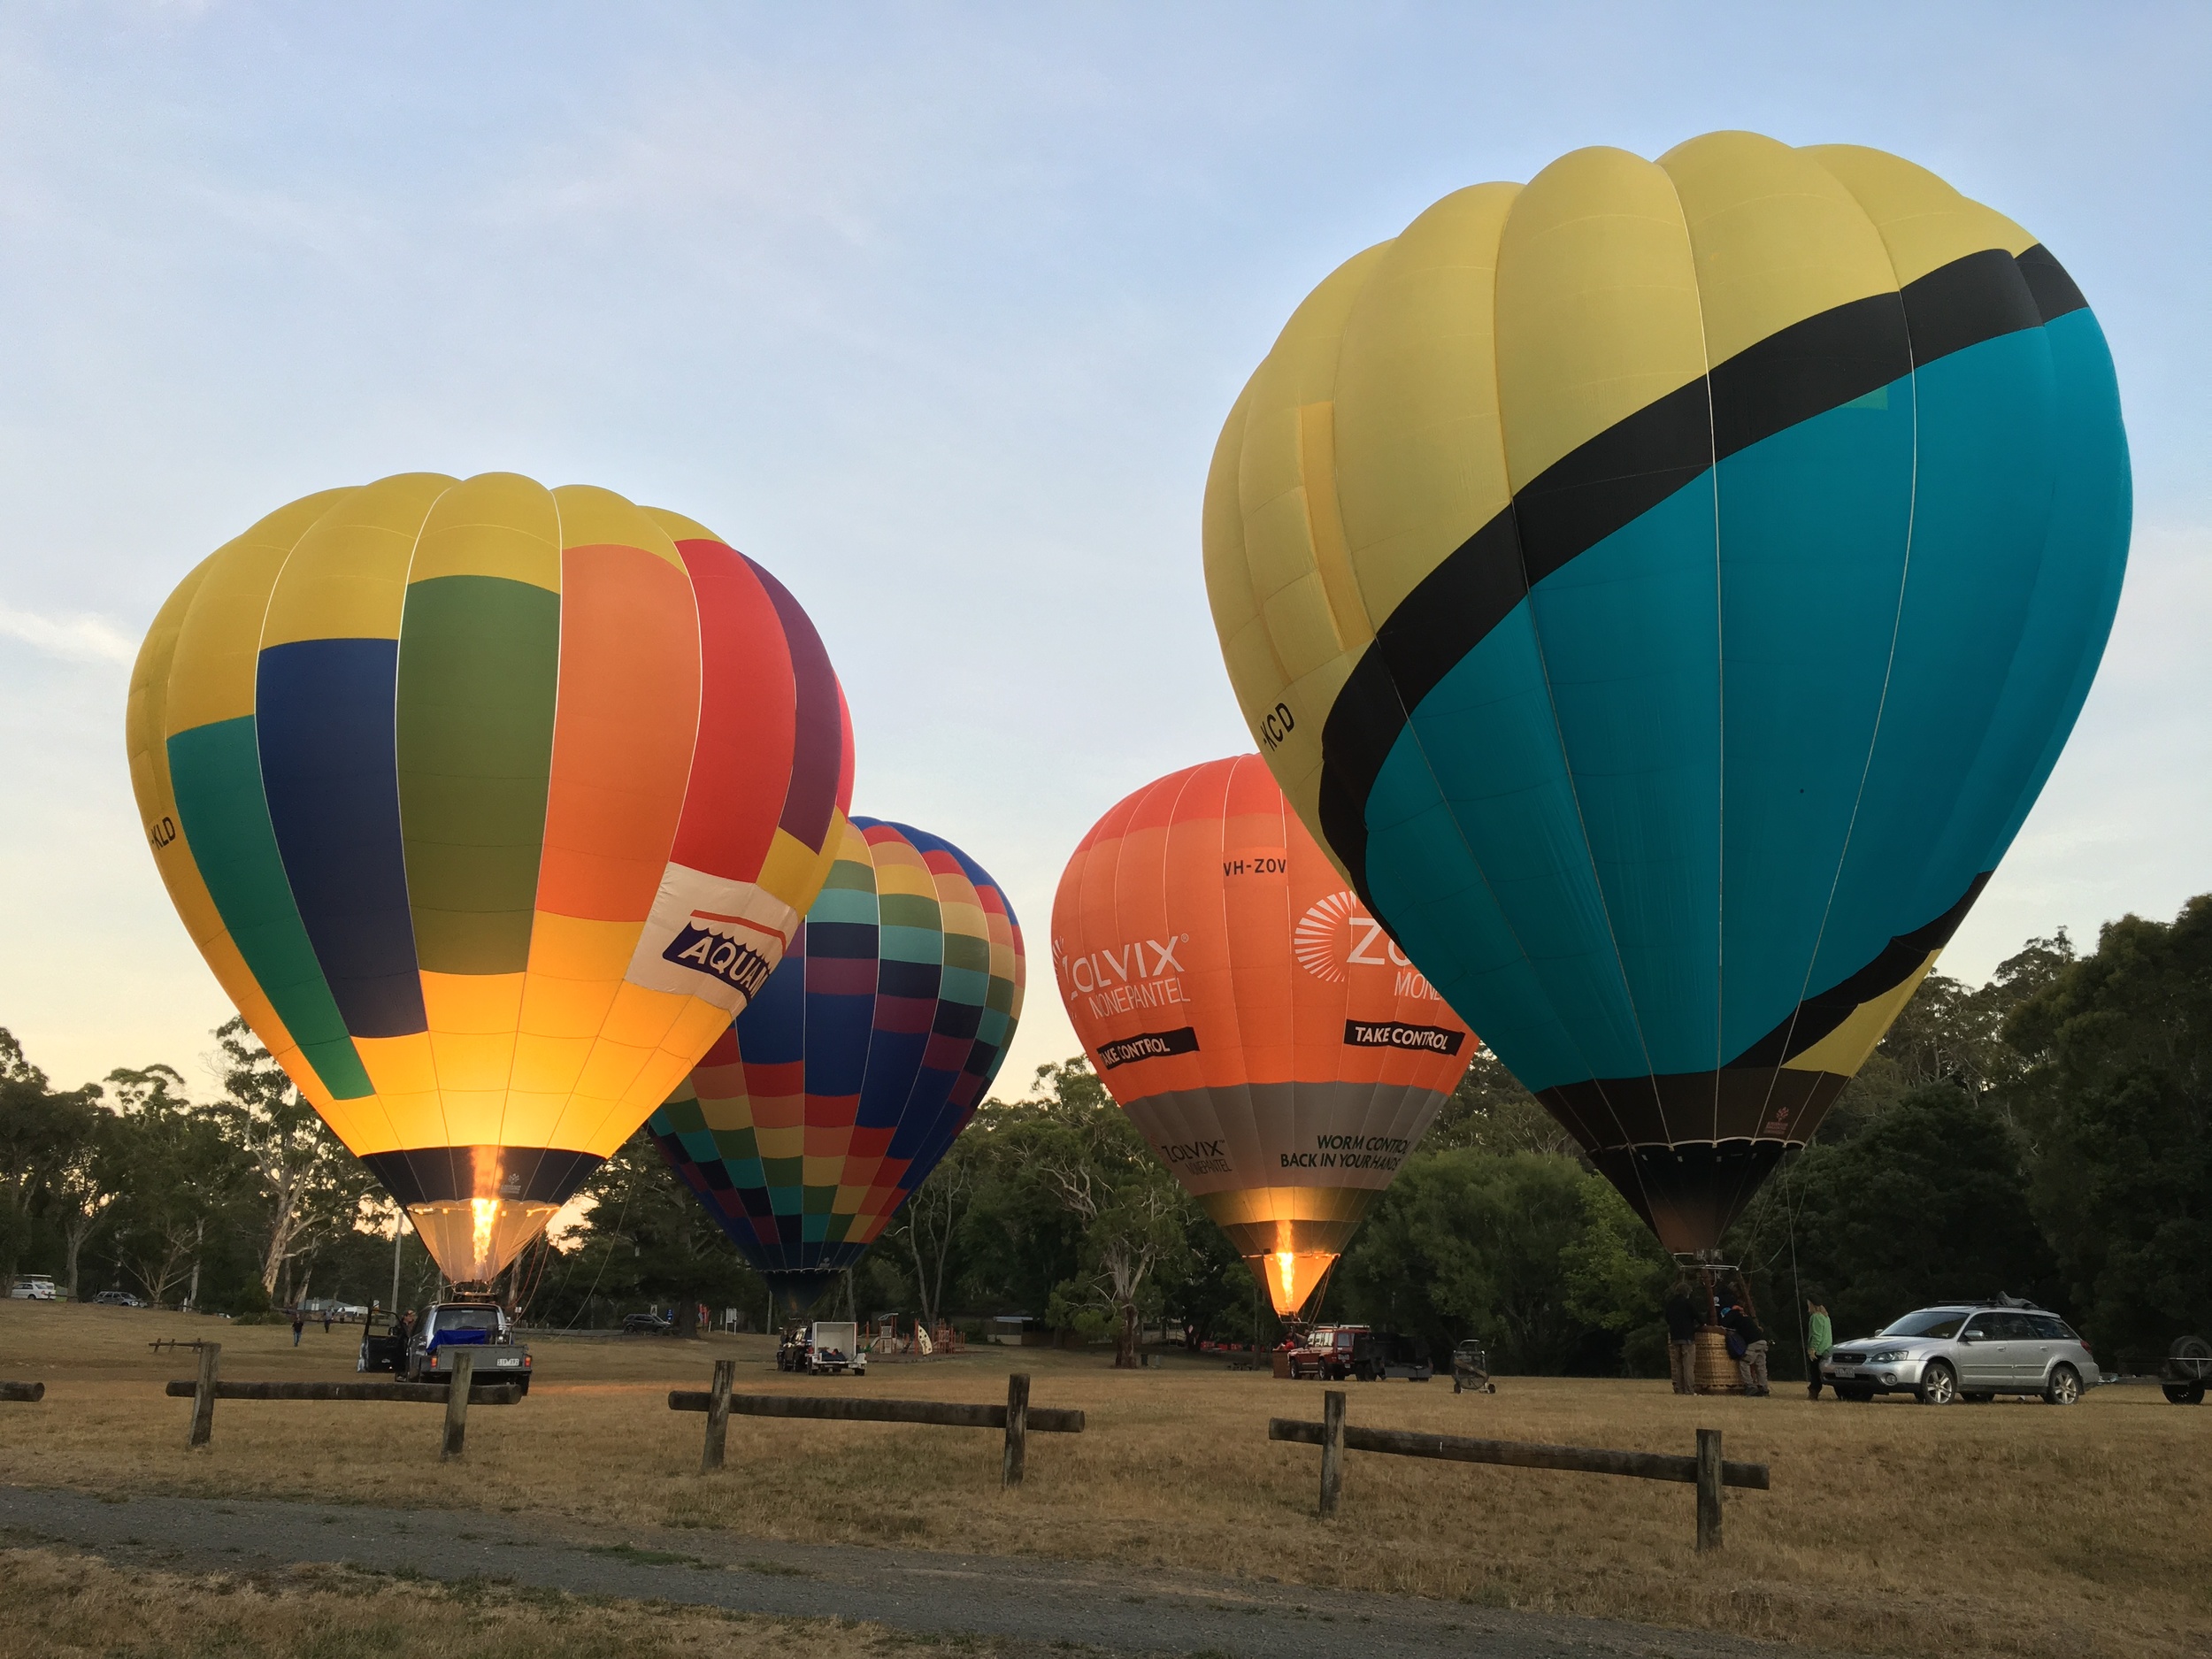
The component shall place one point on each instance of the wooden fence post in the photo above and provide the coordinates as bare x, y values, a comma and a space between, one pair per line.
1016, 1429
1332, 1449
456, 1405
1709, 1489
718, 1415
203, 1396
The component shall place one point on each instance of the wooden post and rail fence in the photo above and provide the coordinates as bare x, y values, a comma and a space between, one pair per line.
1706, 1471
1017, 1418
456, 1396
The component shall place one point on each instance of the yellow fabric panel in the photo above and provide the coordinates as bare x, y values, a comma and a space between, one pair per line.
347, 577
1325, 524
1598, 311
496, 524
575, 947
790, 865
1278, 543
678, 528
640, 1019
1844, 1050
472, 1004
591, 517
1420, 451
399, 1066
1775, 237
832, 838
219, 644
1924, 222
547, 1066
898, 870
847, 1203
1288, 1203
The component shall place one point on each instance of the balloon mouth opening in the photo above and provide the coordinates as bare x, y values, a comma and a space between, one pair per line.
1293, 1280
473, 1240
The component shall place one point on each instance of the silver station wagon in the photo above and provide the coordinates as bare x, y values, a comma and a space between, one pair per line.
1966, 1351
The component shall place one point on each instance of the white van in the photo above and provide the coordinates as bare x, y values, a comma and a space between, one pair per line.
34, 1288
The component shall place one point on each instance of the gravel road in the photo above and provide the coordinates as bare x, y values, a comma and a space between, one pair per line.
929, 1594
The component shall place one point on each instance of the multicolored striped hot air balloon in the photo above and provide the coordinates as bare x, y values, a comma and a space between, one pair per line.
489, 805
831, 1097
1267, 1037
1664, 587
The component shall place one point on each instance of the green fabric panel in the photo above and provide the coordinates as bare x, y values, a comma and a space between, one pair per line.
858, 877
217, 771
479, 666
909, 909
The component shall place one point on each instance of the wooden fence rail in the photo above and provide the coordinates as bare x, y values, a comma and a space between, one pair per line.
29, 1393
1017, 1417
456, 1396
427, 1394
1706, 1471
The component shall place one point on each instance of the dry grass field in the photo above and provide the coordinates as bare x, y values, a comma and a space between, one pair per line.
59, 1604
2007, 1528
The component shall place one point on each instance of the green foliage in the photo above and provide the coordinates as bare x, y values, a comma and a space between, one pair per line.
2116, 1102
1527, 1250
1490, 1112
1928, 1203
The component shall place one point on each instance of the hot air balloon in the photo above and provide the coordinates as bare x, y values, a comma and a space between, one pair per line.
1664, 587
834, 1094
489, 805
1267, 1037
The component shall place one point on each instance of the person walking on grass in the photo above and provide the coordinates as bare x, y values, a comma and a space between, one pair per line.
1749, 1343
1820, 1336
299, 1324
1683, 1315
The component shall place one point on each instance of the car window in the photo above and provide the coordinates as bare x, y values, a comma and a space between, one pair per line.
1935, 1322
2050, 1328
468, 1320
2006, 1327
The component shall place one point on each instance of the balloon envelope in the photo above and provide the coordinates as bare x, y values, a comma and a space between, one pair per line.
831, 1097
1265, 1034
488, 804
1664, 590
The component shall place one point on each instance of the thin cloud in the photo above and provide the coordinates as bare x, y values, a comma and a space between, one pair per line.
75, 639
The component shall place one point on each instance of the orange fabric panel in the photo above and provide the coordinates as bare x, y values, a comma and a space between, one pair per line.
623, 731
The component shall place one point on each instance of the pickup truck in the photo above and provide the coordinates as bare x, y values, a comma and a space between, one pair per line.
445, 1328
826, 1346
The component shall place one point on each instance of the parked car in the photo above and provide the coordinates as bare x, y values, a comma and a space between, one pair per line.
445, 1328
34, 1288
1332, 1353
645, 1325
828, 1347
117, 1299
1973, 1351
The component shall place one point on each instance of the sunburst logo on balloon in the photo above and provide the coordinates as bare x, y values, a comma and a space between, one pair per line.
1322, 941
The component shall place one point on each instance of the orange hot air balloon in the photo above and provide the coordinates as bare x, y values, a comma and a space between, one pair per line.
1269, 1040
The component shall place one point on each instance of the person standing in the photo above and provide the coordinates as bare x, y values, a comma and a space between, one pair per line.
1820, 1336
1751, 1364
299, 1324
1683, 1315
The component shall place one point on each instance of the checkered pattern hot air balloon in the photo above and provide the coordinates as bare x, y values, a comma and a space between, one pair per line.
489, 805
831, 1097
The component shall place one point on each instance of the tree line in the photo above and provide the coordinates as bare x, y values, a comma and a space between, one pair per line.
2045, 1134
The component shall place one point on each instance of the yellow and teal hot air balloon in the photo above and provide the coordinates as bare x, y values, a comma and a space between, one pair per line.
1663, 589
489, 805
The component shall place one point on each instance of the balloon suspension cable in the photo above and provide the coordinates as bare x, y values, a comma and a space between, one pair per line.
621, 1216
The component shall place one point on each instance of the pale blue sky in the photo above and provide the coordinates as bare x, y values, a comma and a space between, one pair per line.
935, 311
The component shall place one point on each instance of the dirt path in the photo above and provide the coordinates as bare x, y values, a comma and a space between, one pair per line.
929, 1594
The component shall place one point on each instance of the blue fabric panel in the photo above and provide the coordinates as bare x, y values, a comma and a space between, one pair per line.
324, 718
837, 1040
1462, 821
771, 1028
1815, 524
2084, 557
1980, 502
1630, 636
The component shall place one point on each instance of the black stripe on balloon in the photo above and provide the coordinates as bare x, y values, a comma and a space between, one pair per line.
1895, 963
1804, 370
2054, 292
445, 1175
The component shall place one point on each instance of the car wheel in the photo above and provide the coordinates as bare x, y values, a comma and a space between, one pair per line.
2182, 1394
2064, 1387
1939, 1384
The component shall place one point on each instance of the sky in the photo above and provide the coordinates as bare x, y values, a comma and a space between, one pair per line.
936, 312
